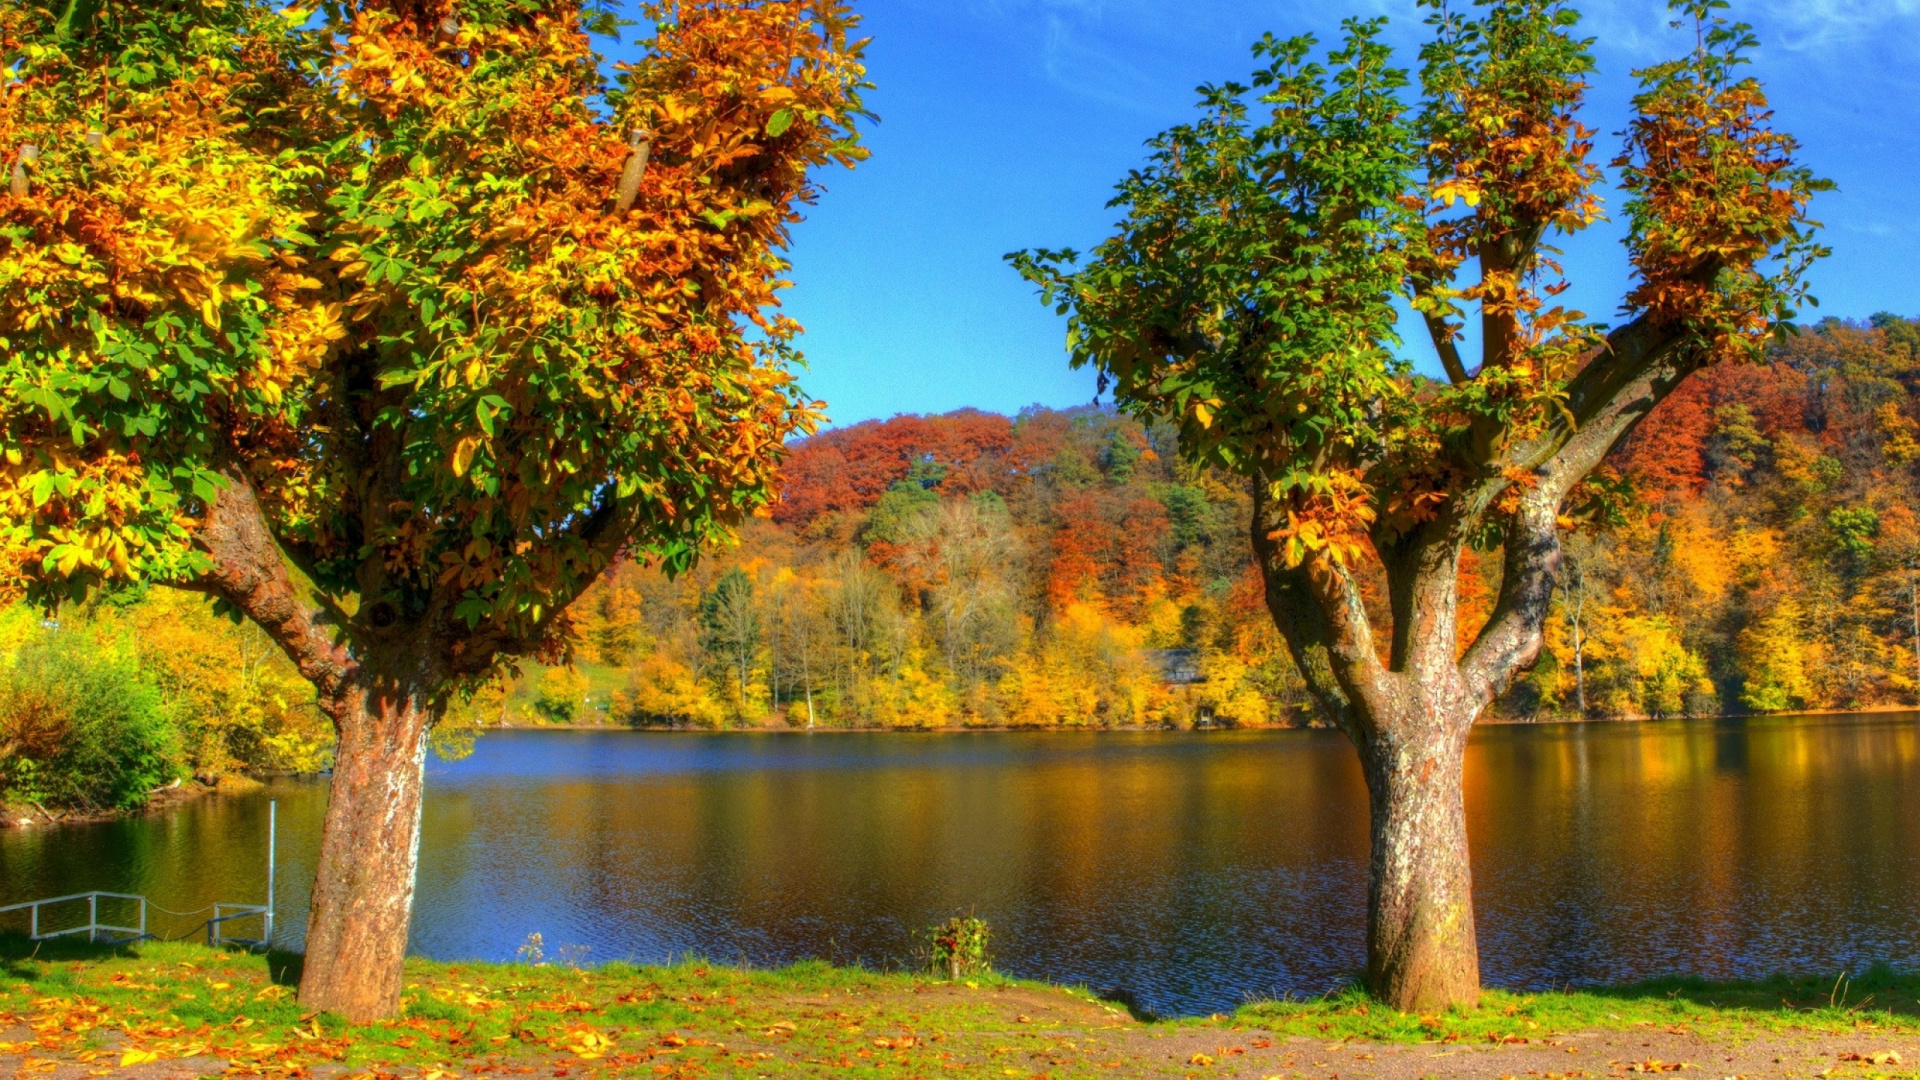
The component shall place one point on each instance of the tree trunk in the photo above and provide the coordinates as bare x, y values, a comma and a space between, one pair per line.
363, 892
1914, 596
1580, 655
1421, 952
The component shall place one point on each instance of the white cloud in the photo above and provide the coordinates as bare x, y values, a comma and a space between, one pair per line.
1812, 24
1142, 55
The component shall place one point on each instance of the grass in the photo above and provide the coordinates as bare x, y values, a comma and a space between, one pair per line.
104, 1007
1881, 999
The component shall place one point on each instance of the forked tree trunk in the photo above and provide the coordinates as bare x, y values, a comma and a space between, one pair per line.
363, 892
1421, 952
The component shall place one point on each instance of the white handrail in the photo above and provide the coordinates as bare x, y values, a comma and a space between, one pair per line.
94, 926
222, 913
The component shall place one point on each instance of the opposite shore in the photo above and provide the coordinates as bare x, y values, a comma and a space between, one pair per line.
1093, 729
36, 815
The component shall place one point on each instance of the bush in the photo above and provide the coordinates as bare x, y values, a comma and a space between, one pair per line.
561, 696
81, 726
960, 948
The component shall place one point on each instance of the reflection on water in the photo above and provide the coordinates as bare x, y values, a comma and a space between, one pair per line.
1191, 871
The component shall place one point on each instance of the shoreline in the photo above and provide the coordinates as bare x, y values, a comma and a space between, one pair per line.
700, 1019
35, 816
1090, 729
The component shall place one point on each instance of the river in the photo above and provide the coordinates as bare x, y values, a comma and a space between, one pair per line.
1190, 872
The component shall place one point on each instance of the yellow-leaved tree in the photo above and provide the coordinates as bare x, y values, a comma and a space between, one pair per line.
391, 324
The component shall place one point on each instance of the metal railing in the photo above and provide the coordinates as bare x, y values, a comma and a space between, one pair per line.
215, 926
94, 927
226, 913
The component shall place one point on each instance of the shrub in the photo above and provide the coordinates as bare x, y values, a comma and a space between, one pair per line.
960, 947
81, 725
561, 696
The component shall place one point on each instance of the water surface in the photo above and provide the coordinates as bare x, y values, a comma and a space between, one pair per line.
1188, 871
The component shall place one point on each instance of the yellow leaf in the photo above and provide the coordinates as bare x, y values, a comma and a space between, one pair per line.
463, 455
137, 1057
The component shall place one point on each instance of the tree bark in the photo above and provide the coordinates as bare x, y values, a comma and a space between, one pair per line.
1409, 721
363, 889
1913, 594
1422, 956
1580, 654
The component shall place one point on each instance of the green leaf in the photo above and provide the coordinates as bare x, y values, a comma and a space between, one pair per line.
780, 122
77, 18
472, 609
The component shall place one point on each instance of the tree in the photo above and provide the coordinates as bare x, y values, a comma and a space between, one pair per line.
391, 325
800, 635
732, 631
968, 554
1249, 297
1773, 660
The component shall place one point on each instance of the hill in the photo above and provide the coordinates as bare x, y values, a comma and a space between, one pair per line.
1053, 568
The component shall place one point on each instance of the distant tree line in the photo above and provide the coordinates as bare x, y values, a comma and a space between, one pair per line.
1762, 555
974, 569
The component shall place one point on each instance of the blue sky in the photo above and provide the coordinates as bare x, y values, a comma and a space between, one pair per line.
1006, 123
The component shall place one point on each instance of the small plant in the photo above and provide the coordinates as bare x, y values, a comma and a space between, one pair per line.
573, 956
534, 951
960, 947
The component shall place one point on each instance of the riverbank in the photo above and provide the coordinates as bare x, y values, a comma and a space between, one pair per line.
1314, 725
159, 1011
162, 800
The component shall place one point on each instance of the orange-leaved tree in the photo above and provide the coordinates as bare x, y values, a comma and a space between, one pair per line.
390, 324
1250, 296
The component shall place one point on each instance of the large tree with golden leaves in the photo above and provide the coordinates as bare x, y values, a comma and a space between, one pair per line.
1250, 296
390, 324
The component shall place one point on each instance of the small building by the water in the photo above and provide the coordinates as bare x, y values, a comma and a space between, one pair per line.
1178, 667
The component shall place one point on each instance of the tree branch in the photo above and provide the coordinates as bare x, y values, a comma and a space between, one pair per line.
1512, 639
250, 572
1318, 610
1639, 367
1448, 347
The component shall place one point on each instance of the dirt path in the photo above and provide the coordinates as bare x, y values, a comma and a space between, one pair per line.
1018, 1034
1251, 1053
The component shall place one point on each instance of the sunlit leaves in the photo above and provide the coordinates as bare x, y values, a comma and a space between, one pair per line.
1720, 235
1249, 293
374, 264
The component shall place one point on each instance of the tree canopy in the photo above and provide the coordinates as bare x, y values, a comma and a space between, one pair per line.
367, 259
1251, 291
391, 324
1250, 295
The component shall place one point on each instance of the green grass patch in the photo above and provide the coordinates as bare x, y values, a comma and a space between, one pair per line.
1879, 999
105, 1006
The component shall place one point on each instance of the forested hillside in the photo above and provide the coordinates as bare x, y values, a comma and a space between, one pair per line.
979, 569
1056, 568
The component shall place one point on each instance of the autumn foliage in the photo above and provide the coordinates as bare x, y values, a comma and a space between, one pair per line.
1078, 553
1248, 296
963, 570
391, 326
